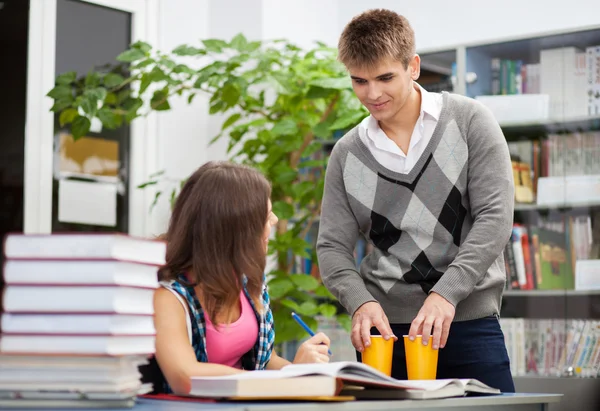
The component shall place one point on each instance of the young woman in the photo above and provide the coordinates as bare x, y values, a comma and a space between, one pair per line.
212, 314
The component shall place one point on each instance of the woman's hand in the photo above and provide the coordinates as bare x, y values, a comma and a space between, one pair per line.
313, 350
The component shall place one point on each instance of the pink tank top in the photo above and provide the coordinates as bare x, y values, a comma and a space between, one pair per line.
227, 343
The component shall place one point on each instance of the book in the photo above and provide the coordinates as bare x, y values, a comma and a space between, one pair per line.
77, 324
78, 299
84, 246
75, 344
302, 380
72, 272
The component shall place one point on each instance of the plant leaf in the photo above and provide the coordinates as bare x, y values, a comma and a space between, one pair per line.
239, 42
231, 120
347, 120
338, 83
345, 321
155, 201
283, 210
328, 310
131, 55
285, 127
308, 308
279, 287
142, 46
92, 79
185, 50
109, 119
67, 116
112, 80
148, 183
81, 126
160, 100
290, 304
304, 281
67, 78
60, 92
214, 45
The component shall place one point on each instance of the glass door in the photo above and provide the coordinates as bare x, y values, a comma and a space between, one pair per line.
90, 184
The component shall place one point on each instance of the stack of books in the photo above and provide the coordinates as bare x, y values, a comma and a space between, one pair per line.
77, 319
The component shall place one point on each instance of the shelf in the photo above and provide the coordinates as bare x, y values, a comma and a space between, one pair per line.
533, 207
553, 125
549, 293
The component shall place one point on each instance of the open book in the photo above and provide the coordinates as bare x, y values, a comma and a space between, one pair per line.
323, 380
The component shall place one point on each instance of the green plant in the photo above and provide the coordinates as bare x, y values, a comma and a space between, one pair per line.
282, 102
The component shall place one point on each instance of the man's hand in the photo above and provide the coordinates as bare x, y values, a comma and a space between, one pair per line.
369, 315
437, 312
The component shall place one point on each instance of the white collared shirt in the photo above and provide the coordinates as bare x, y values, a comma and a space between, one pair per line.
386, 152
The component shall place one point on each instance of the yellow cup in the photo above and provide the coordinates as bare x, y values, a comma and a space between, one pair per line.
421, 360
379, 354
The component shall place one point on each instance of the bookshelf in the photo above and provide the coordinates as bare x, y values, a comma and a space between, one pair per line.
545, 93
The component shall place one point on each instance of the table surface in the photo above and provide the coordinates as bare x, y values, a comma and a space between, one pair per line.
503, 401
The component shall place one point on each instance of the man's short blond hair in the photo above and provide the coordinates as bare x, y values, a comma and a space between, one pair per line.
376, 35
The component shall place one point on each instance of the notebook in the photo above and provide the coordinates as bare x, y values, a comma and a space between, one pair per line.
300, 380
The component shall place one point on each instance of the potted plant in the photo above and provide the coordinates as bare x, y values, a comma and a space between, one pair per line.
281, 102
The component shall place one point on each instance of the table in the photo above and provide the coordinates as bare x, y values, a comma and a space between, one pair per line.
503, 402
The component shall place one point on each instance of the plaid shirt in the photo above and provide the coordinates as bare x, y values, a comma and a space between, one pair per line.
255, 359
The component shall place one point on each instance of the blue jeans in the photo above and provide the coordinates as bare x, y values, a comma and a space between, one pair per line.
475, 349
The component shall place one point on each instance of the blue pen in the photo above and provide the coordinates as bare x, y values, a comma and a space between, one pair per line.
306, 328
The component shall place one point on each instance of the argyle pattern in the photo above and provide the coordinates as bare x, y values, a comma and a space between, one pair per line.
440, 228
419, 218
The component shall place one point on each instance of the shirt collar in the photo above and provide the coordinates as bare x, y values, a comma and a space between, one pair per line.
428, 103
429, 106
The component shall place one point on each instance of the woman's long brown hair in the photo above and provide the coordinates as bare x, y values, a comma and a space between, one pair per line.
216, 233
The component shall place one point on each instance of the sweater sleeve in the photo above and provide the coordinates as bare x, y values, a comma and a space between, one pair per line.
338, 233
490, 188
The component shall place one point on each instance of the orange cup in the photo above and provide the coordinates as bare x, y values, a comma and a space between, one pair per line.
379, 354
421, 360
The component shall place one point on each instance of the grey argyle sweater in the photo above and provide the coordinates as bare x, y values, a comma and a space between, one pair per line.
442, 227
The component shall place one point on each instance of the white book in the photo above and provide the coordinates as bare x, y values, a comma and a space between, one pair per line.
78, 299
80, 272
84, 246
58, 362
310, 380
73, 345
117, 324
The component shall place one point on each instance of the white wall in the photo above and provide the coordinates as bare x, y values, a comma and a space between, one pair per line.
441, 24
301, 21
185, 131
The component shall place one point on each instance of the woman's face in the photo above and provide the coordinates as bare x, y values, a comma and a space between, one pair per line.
271, 222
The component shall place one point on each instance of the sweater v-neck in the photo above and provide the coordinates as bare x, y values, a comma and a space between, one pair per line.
431, 146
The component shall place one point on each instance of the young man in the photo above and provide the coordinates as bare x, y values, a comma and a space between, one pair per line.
427, 179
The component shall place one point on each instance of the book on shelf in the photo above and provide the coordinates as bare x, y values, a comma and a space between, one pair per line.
558, 252
310, 380
549, 347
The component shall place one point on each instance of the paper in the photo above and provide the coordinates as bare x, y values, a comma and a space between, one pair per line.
89, 157
85, 202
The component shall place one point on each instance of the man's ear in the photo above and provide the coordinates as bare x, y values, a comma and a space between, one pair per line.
415, 67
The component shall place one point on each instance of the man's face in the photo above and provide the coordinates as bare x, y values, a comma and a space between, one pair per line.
385, 88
